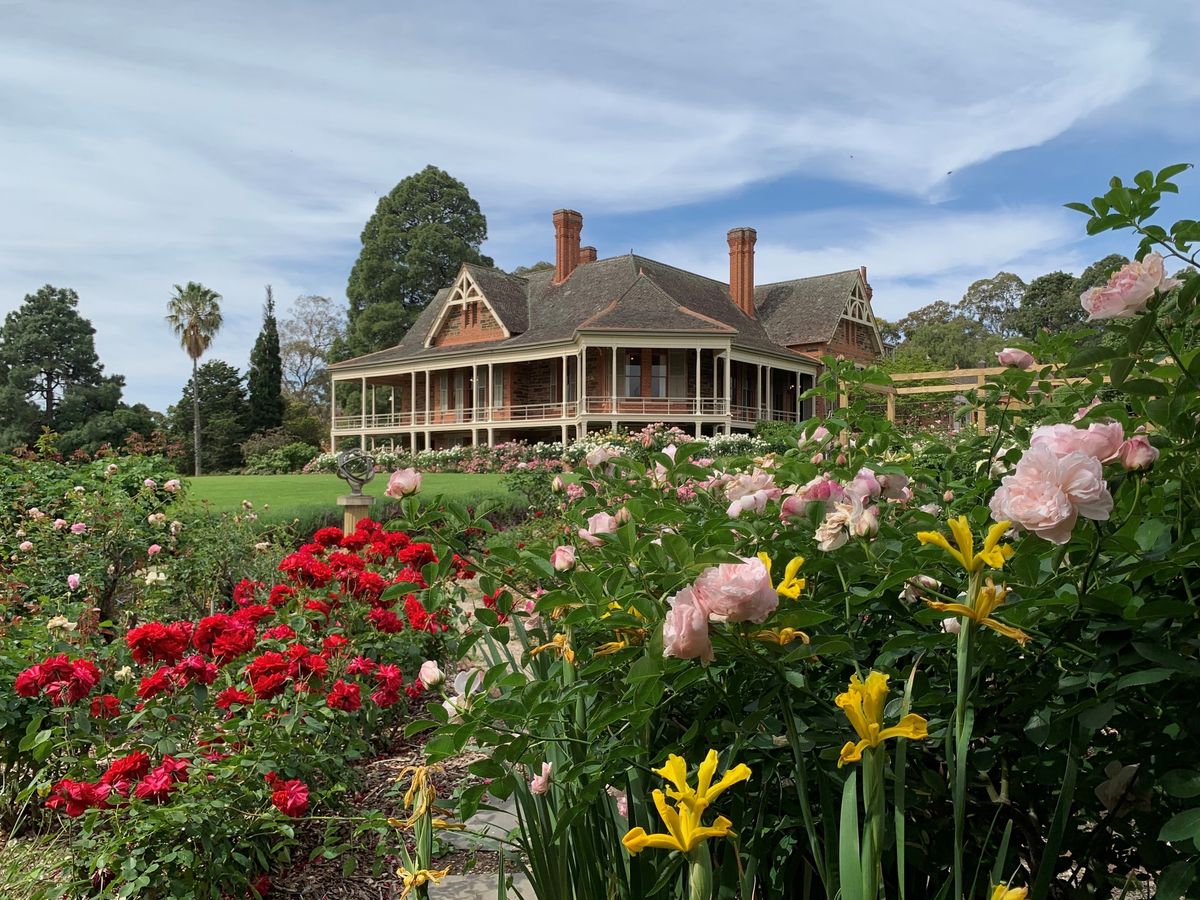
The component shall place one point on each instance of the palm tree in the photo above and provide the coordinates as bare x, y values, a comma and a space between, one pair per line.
194, 314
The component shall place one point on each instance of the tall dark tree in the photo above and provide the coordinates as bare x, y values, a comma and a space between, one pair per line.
265, 376
1051, 303
412, 246
218, 391
46, 348
194, 314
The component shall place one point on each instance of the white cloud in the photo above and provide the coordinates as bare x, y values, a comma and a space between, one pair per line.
239, 144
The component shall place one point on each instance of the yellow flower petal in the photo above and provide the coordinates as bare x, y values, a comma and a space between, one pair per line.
851, 752
1007, 630
911, 726
1003, 892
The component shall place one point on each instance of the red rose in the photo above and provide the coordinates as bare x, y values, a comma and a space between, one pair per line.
280, 594
290, 797
77, 797
345, 696
232, 695
361, 665
106, 706
243, 591
279, 633
195, 668
328, 537
156, 642
160, 682
385, 620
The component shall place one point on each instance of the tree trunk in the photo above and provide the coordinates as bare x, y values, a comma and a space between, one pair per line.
196, 415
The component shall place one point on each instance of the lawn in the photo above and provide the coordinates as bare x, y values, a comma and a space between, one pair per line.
291, 495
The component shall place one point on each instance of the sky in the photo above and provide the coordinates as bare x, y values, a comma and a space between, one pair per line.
245, 144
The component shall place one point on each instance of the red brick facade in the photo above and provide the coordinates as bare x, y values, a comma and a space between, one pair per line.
468, 323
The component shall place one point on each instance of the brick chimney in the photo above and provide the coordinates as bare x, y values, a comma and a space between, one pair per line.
567, 225
587, 255
862, 271
741, 268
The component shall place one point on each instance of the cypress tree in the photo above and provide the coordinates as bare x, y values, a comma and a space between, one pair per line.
265, 378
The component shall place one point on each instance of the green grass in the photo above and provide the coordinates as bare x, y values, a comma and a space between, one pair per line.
292, 495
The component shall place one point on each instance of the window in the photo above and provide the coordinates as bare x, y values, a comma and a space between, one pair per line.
658, 374
497, 386
633, 373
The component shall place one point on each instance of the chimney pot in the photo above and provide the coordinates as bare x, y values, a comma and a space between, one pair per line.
567, 225
741, 268
587, 255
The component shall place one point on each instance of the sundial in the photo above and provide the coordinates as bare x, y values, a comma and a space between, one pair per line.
355, 467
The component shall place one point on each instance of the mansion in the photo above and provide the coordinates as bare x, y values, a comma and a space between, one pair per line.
599, 345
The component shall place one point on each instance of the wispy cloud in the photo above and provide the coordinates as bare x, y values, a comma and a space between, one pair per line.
243, 144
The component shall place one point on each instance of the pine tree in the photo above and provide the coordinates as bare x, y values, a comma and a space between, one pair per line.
265, 378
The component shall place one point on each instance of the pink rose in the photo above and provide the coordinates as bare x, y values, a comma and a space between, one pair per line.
430, 674
737, 592
600, 523
1100, 439
73, 581
817, 459
1137, 453
111, 469
947, 496
153, 550
540, 784
1020, 359
575, 492
822, 489
79, 528
557, 485
865, 486
149, 482
25, 546
598, 456
563, 558
819, 437
1129, 289
951, 625
685, 628
60, 524
403, 483
1047, 493
894, 487
752, 491
172, 486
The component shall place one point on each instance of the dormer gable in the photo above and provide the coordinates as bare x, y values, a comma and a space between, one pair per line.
466, 316
857, 325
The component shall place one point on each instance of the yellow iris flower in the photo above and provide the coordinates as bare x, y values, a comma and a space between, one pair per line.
863, 704
557, 644
610, 648
410, 881
992, 555
1003, 892
684, 829
990, 597
791, 586
782, 636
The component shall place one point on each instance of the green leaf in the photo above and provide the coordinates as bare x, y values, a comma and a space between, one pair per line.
1097, 716
1148, 387
1120, 370
1171, 171
1139, 331
1175, 881
1146, 676
1153, 534
849, 865
1079, 207
1182, 827
1183, 783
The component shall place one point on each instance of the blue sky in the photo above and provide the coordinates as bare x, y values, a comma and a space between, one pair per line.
245, 144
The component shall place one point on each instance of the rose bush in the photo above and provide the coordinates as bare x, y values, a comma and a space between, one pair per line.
179, 753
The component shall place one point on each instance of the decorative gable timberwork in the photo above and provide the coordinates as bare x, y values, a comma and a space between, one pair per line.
466, 317
857, 331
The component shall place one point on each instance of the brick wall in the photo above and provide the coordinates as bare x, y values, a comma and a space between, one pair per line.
468, 324
536, 382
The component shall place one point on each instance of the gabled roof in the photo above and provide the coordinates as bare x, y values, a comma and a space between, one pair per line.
647, 307
805, 310
633, 293
505, 293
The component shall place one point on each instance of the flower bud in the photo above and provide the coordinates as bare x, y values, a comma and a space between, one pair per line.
1137, 453
431, 675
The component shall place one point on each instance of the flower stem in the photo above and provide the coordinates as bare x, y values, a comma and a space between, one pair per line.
873, 804
962, 737
700, 879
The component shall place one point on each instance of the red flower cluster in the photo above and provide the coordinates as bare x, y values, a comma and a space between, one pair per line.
156, 642
346, 695
62, 679
243, 591
225, 637
128, 776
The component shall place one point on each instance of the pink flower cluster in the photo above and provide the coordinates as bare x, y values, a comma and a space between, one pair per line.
730, 592
751, 492
1061, 477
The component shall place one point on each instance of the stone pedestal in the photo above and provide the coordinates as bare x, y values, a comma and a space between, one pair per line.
356, 507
